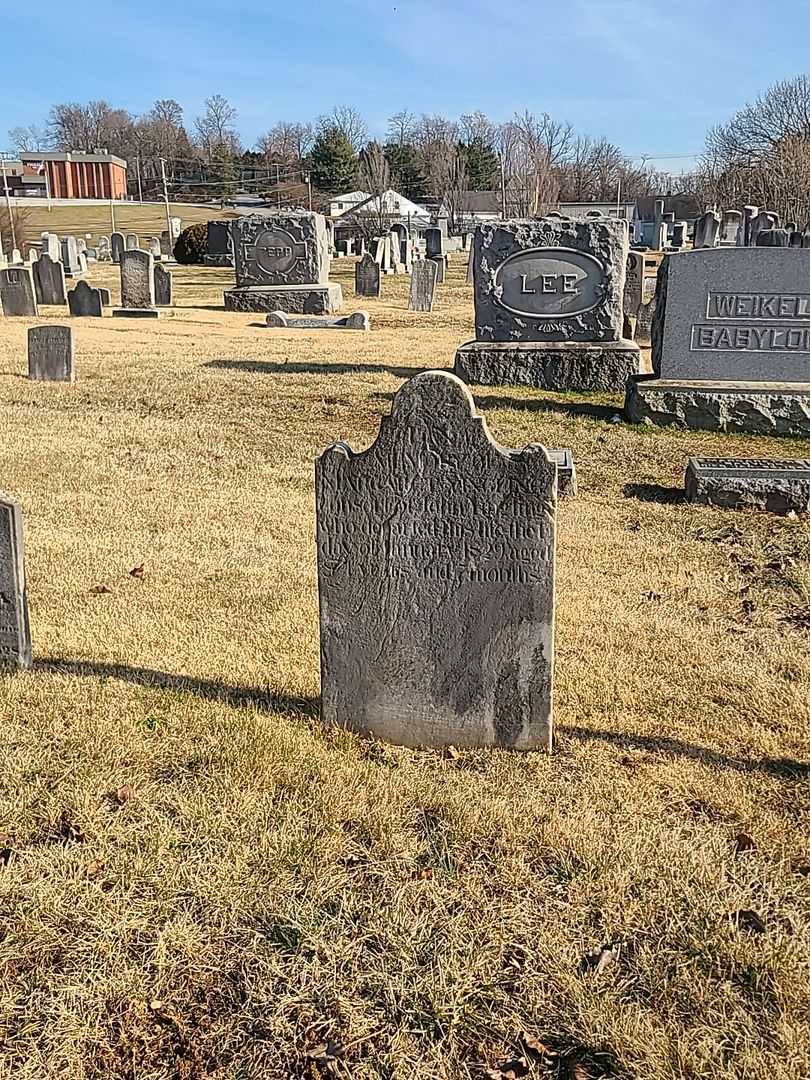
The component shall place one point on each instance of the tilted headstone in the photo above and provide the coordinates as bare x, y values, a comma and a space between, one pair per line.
85, 301
378, 249
118, 246
50, 353
15, 630
17, 292
441, 268
282, 262
163, 286
732, 225
358, 320
436, 553
782, 487
132, 242
423, 285
549, 306
471, 265
137, 280
730, 343
367, 277
707, 228
70, 257
49, 281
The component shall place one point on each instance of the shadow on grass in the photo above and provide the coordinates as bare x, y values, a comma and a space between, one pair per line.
565, 408
654, 493
783, 768
269, 367
210, 690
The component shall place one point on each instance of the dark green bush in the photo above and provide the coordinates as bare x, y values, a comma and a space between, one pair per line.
192, 244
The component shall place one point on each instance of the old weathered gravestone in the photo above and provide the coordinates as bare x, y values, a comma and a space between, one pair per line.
132, 242
434, 243
154, 247
707, 228
51, 246
441, 268
219, 245
86, 301
118, 246
163, 286
436, 578
49, 281
760, 483
282, 262
367, 277
548, 306
358, 320
15, 632
732, 224
50, 353
103, 249
423, 285
17, 291
70, 257
730, 343
137, 285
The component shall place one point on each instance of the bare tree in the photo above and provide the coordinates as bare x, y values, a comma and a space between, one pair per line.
348, 121
87, 127
477, 125
402, 128
533, 150
216, 134
286, 143
25, 139
375, 178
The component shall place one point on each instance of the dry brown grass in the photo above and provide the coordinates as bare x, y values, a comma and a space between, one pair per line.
145, 219
199, 881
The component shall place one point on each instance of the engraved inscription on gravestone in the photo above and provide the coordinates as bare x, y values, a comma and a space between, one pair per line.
436, 556
550, 282
15, 633
50, 353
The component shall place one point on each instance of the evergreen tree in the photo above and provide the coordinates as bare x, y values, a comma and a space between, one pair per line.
482, 165
333, 162
406, 172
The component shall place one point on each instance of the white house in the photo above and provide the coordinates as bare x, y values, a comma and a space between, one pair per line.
390, 203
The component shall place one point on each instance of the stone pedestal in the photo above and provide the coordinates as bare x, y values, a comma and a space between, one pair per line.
295, 299
565, 365
752, 408
136, 313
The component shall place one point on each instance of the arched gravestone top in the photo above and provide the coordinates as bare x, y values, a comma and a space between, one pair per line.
436, 556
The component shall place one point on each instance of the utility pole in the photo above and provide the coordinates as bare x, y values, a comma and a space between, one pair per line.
308, 181
503, 186
8, 202
166, 200
112, 210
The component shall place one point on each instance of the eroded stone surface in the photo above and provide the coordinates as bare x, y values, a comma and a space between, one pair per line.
436, 577
567, 366
424, 274
49, 280
50, 354
289, 248
358, 320
163, 286
15, 632
780, 486
137, 279
17, 294
305, 300
367, 277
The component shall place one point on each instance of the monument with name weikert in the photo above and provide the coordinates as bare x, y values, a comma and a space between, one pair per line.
436, 552
282, 264
730, 343
549, 305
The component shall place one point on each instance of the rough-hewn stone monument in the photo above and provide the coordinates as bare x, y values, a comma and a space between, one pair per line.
50, 354
436, 555
730, 343
282, 263
548, 306
15, 632
744, 483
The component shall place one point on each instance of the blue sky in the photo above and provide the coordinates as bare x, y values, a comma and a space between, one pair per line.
650, 76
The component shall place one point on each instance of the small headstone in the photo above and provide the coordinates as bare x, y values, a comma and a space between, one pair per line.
707, 228
49, 281
441, 267
17, 293
367, 277
137, 279
679, 234
436, 578
81, 244
163, 286
85, 301
50, 353
16, 257
70, 257
779, 486
166, 245
15, 631
103, 249
154, 247
773, 238
796, 239
33, 255
118, 246
132, 242
423, 285
732, 224
51, 246
106, 298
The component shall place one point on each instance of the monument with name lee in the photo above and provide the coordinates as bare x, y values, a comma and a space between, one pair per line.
549, 306
436, 553
730, 343
282, 264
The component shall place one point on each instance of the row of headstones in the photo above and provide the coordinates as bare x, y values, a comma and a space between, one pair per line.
426, 274
749, 227
158, 247
144, 284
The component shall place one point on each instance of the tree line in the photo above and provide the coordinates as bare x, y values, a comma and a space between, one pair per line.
533, 161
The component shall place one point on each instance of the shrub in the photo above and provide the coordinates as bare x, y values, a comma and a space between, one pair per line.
192, 244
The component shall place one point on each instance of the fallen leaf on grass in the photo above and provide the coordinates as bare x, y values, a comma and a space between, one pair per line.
509, 1069
801, 868
122, 794
535, 1047
94, 869
137, 571
748, 920
69, 831
326, 1053
100, 590
797, 617
744, 843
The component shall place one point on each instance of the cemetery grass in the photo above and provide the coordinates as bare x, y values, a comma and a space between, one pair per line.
198, 880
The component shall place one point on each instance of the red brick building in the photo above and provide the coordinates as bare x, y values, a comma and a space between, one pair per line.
75, 175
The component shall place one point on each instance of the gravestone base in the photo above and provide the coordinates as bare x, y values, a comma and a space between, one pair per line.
749, 408
781, 487
213, 260
136, 313
295, 299
565, 365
